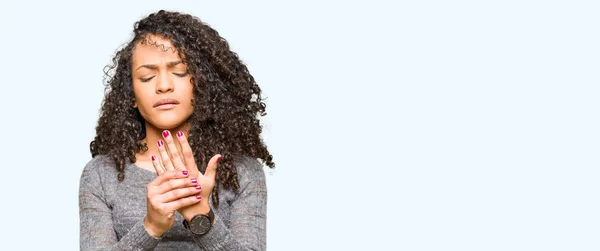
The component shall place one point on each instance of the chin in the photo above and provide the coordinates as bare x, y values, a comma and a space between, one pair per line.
168, 122
166, 126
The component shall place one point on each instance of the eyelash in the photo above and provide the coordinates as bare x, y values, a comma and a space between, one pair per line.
146, 79
181, 75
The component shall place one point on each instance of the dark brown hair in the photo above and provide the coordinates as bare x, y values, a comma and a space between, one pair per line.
227, 100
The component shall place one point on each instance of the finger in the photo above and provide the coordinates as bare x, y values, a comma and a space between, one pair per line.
211, 168
169, 175
188, 154
164, 156
183, 202
179, 193
177, 183
176, 158
157, 166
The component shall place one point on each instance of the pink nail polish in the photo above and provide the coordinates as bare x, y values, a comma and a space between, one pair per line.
185, 172
194, 181
219, 159
179, 134
198, 188
153, 158
165, 133
198, 197
160, 143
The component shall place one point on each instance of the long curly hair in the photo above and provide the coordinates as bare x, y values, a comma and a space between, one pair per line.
227, 101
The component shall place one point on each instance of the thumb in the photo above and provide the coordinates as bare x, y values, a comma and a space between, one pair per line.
211, 168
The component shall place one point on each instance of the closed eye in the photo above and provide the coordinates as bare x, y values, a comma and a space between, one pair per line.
181, 75
146, 79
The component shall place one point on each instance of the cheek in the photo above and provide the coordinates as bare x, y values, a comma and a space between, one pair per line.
141, 94
136, 90
188, 88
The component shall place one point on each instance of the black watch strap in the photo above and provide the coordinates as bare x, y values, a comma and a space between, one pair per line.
211, 216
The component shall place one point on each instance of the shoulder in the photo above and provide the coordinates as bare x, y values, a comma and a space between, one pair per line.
97, 168
249, 170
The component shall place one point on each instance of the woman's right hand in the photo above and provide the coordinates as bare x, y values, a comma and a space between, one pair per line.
168, 192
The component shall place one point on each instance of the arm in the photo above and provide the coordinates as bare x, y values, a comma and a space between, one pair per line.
247, 230
96, 229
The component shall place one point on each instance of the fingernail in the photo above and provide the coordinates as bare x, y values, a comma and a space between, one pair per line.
198, 188
185, 172
219, 159
153, 158
179, 134
194, 181
198, 197
160, 143
165, 133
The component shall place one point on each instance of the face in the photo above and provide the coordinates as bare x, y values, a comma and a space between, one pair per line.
161, 84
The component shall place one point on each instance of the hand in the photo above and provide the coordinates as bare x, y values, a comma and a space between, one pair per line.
167, 193
172, 159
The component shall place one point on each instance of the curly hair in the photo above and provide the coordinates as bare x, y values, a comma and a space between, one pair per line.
227, 101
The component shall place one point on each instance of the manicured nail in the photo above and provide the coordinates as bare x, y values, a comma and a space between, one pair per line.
198, 188
185, 172
198, 197
153, 158
179, 134
160, 143
165, 133
219, 159
194, 181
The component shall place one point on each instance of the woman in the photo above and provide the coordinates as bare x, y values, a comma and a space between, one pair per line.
175, 158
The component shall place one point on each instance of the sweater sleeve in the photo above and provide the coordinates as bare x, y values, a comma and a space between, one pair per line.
96, 226
247, 229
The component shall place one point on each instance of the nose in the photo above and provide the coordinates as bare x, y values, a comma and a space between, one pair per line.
164, 83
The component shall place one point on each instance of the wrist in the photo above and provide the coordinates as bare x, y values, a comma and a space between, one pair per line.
200, 208
151, 229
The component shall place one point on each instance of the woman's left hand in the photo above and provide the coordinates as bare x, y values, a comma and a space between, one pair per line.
172, 159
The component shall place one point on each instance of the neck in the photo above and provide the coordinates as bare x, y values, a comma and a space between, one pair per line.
154, 134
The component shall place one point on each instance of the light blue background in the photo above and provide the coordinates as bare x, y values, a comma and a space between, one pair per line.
414, 125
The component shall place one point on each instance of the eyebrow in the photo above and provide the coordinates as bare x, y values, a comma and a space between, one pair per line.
154, 67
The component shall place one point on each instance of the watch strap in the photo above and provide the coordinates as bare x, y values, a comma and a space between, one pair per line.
211, 216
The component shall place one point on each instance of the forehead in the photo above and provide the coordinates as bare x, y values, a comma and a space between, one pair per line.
154, 50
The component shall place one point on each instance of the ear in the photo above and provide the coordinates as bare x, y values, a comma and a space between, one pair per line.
135, 104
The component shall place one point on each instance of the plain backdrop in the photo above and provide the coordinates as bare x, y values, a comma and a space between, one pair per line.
395, 125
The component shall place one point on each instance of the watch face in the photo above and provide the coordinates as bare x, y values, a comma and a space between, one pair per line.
200, 224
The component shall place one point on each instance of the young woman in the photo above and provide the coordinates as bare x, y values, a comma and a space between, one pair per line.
176, 154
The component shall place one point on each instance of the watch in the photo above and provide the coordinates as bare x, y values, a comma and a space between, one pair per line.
200, 223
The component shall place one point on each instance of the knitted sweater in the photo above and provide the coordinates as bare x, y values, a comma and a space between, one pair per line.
112, 213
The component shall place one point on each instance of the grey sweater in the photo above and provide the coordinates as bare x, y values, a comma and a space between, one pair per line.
112, 213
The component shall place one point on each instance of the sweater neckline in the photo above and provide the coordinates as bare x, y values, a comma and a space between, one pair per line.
141, 171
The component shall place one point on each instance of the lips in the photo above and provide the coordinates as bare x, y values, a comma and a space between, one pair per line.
166, 101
